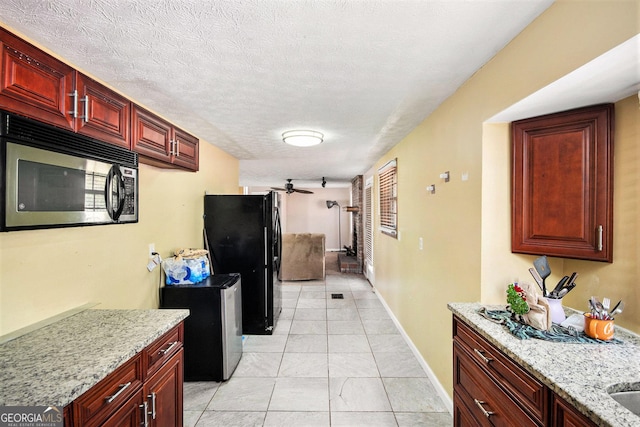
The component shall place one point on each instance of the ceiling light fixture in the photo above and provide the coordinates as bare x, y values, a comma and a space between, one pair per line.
302, 138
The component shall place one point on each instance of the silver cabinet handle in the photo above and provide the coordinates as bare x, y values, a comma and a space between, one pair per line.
482, 356
168, 349
85, 117
74, 112
152, 396
177, 148
600, 238
479, 404
145, 414
114, 396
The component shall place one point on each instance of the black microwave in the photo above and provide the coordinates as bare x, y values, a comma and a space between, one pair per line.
56, 178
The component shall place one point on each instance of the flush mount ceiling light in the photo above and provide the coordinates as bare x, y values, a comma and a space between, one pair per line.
302, 138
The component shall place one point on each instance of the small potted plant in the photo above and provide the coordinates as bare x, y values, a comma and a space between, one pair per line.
517, 300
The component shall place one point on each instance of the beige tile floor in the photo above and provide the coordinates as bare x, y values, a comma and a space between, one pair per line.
330, 362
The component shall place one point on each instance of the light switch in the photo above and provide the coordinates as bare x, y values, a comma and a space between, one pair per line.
420, 244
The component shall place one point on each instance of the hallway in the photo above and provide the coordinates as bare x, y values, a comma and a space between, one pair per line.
330, 362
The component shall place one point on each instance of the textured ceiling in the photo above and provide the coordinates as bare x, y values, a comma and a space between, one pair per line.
239, 73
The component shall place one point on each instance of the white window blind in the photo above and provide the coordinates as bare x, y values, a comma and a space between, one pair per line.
388, 178
368, 224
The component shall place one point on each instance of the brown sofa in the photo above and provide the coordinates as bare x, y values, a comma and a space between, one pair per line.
302, 256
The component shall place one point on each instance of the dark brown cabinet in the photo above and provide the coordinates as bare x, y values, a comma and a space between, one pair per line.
163, 393
490, 389
160, 143
145, 390
39, 86
564, 415
562, 189
107, 397
34, 83
101, 113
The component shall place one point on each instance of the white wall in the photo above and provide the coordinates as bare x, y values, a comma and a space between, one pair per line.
308, 213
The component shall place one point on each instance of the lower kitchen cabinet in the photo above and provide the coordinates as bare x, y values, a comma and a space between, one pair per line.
565, 415
490, 389
145, 390
163, 393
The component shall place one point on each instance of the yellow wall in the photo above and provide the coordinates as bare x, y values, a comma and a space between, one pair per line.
46, 272
466, 224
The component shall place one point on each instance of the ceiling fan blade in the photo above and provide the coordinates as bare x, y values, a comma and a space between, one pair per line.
303, 191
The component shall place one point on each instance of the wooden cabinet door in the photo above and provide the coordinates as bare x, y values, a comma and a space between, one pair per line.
108, 396
164, 393
102, 113
185, 152
129, 414
562, 190
34, 83
564, 415
150, 135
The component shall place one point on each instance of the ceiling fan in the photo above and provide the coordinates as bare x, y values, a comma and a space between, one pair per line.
289, 188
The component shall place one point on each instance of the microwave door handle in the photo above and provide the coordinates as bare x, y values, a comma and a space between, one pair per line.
114, 211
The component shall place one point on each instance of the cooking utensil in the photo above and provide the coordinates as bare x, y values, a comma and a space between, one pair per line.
536, 277
617, 309
606, 303
558, 288
596, 307
542, 267
616, 306
566, 290
572, 279
592, 307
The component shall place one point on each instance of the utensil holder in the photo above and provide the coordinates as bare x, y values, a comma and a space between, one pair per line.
598, 329
557, 312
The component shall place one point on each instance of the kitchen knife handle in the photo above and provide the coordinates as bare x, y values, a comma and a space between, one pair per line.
600, 238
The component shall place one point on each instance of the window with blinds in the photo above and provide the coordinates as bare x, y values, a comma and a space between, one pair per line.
388, 178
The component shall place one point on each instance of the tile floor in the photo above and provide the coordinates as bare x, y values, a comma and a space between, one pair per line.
330, 362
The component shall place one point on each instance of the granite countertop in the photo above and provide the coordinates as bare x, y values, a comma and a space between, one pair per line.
54, 365
579, 373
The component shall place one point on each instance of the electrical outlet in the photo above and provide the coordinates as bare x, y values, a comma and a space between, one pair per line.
152, 249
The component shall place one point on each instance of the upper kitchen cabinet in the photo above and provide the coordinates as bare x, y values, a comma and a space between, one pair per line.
562, 189
34, 83
161, 144
100, 112
39, 86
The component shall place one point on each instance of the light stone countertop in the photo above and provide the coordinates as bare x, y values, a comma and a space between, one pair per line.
54, 365
579, 373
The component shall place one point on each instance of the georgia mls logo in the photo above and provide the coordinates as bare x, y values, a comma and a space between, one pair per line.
30, 416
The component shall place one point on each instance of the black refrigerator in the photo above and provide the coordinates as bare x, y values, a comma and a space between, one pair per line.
243, 235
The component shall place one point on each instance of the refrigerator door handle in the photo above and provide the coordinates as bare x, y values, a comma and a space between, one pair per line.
266, 278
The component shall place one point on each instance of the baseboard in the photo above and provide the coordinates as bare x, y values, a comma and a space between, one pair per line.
446, 399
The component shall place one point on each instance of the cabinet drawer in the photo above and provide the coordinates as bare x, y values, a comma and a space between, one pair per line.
486, 402
161, 350
97, 404
523, 387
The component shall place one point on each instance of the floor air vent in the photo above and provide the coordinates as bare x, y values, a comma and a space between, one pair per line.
337, 296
